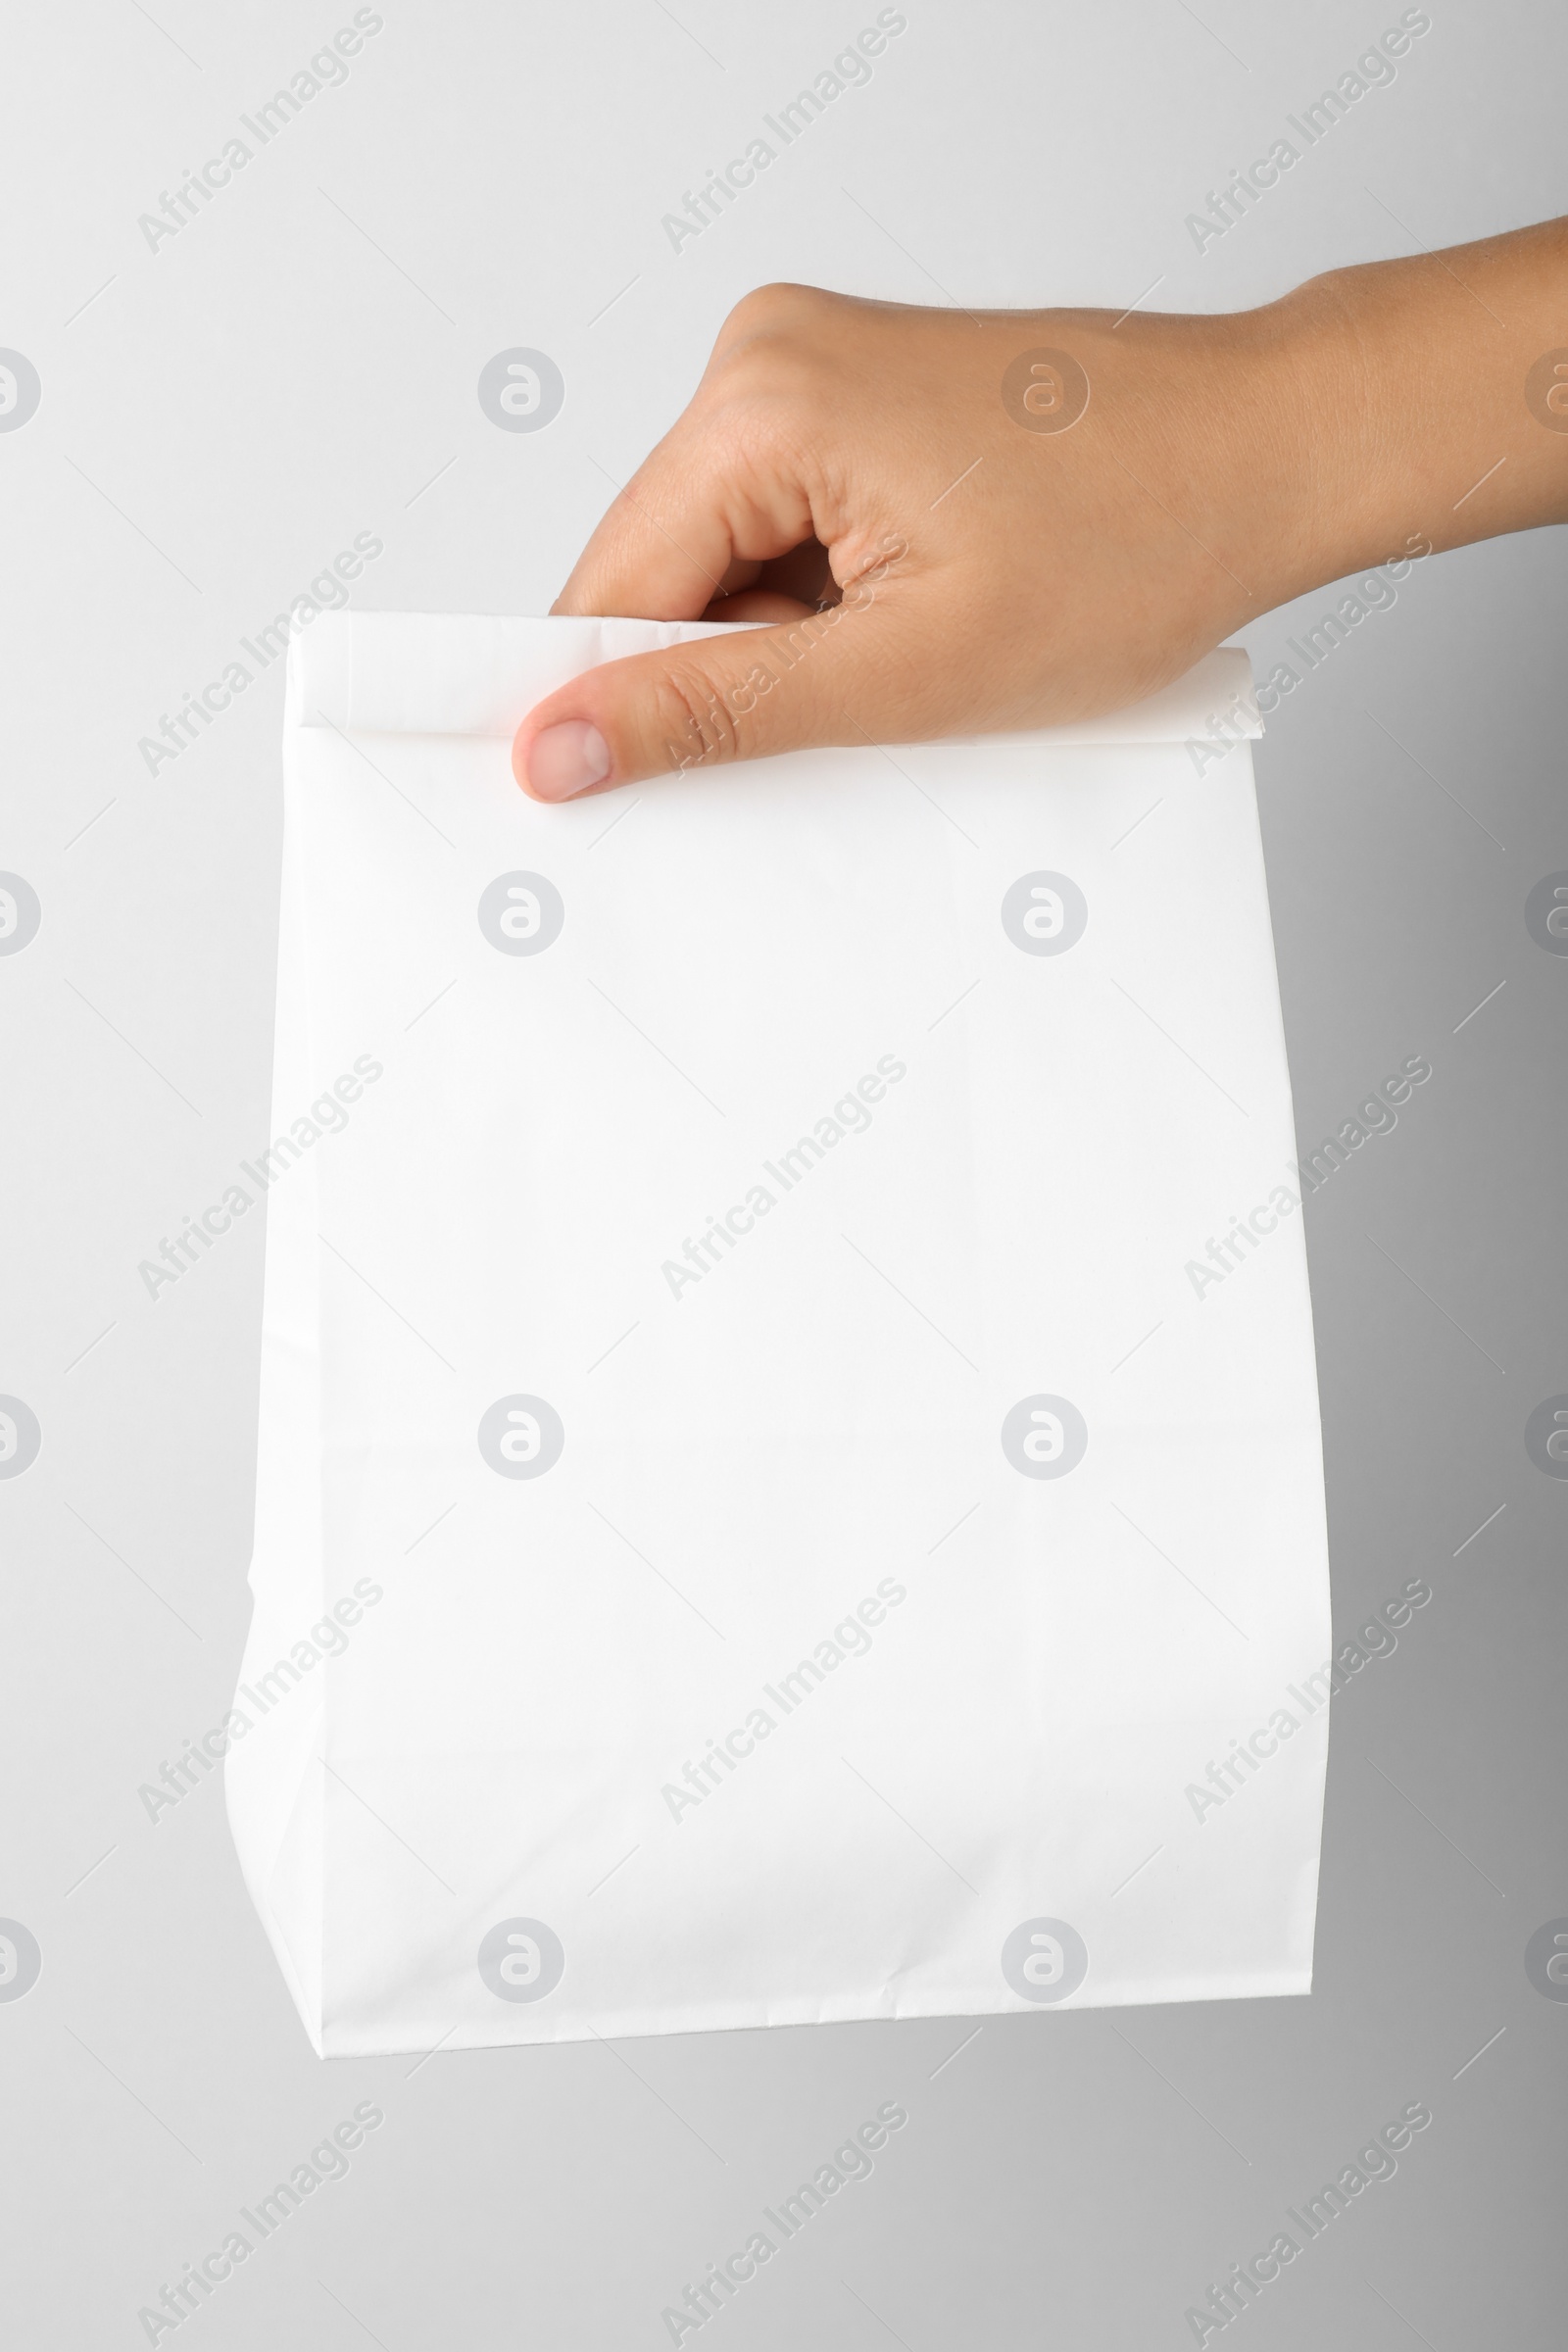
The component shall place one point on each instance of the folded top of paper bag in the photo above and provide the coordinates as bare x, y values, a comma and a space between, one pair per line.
413, 673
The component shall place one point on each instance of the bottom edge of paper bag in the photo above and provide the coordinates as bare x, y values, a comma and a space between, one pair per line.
431, 2036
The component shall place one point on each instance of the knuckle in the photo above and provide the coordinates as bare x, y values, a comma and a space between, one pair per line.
779, 307
772, 331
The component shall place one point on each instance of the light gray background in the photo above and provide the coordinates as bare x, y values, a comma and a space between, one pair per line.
218, 418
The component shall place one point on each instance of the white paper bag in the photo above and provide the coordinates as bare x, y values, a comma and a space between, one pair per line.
789, 1474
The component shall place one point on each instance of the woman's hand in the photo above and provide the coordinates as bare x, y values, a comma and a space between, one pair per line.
1015, 517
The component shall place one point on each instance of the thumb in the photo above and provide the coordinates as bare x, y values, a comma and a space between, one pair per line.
831, 678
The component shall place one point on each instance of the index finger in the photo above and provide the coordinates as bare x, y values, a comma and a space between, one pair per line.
702, 513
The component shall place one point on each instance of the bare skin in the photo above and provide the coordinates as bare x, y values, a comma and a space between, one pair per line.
1004, 539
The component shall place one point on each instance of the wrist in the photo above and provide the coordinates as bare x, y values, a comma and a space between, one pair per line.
1409, 384
1250, 428
1331, 441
